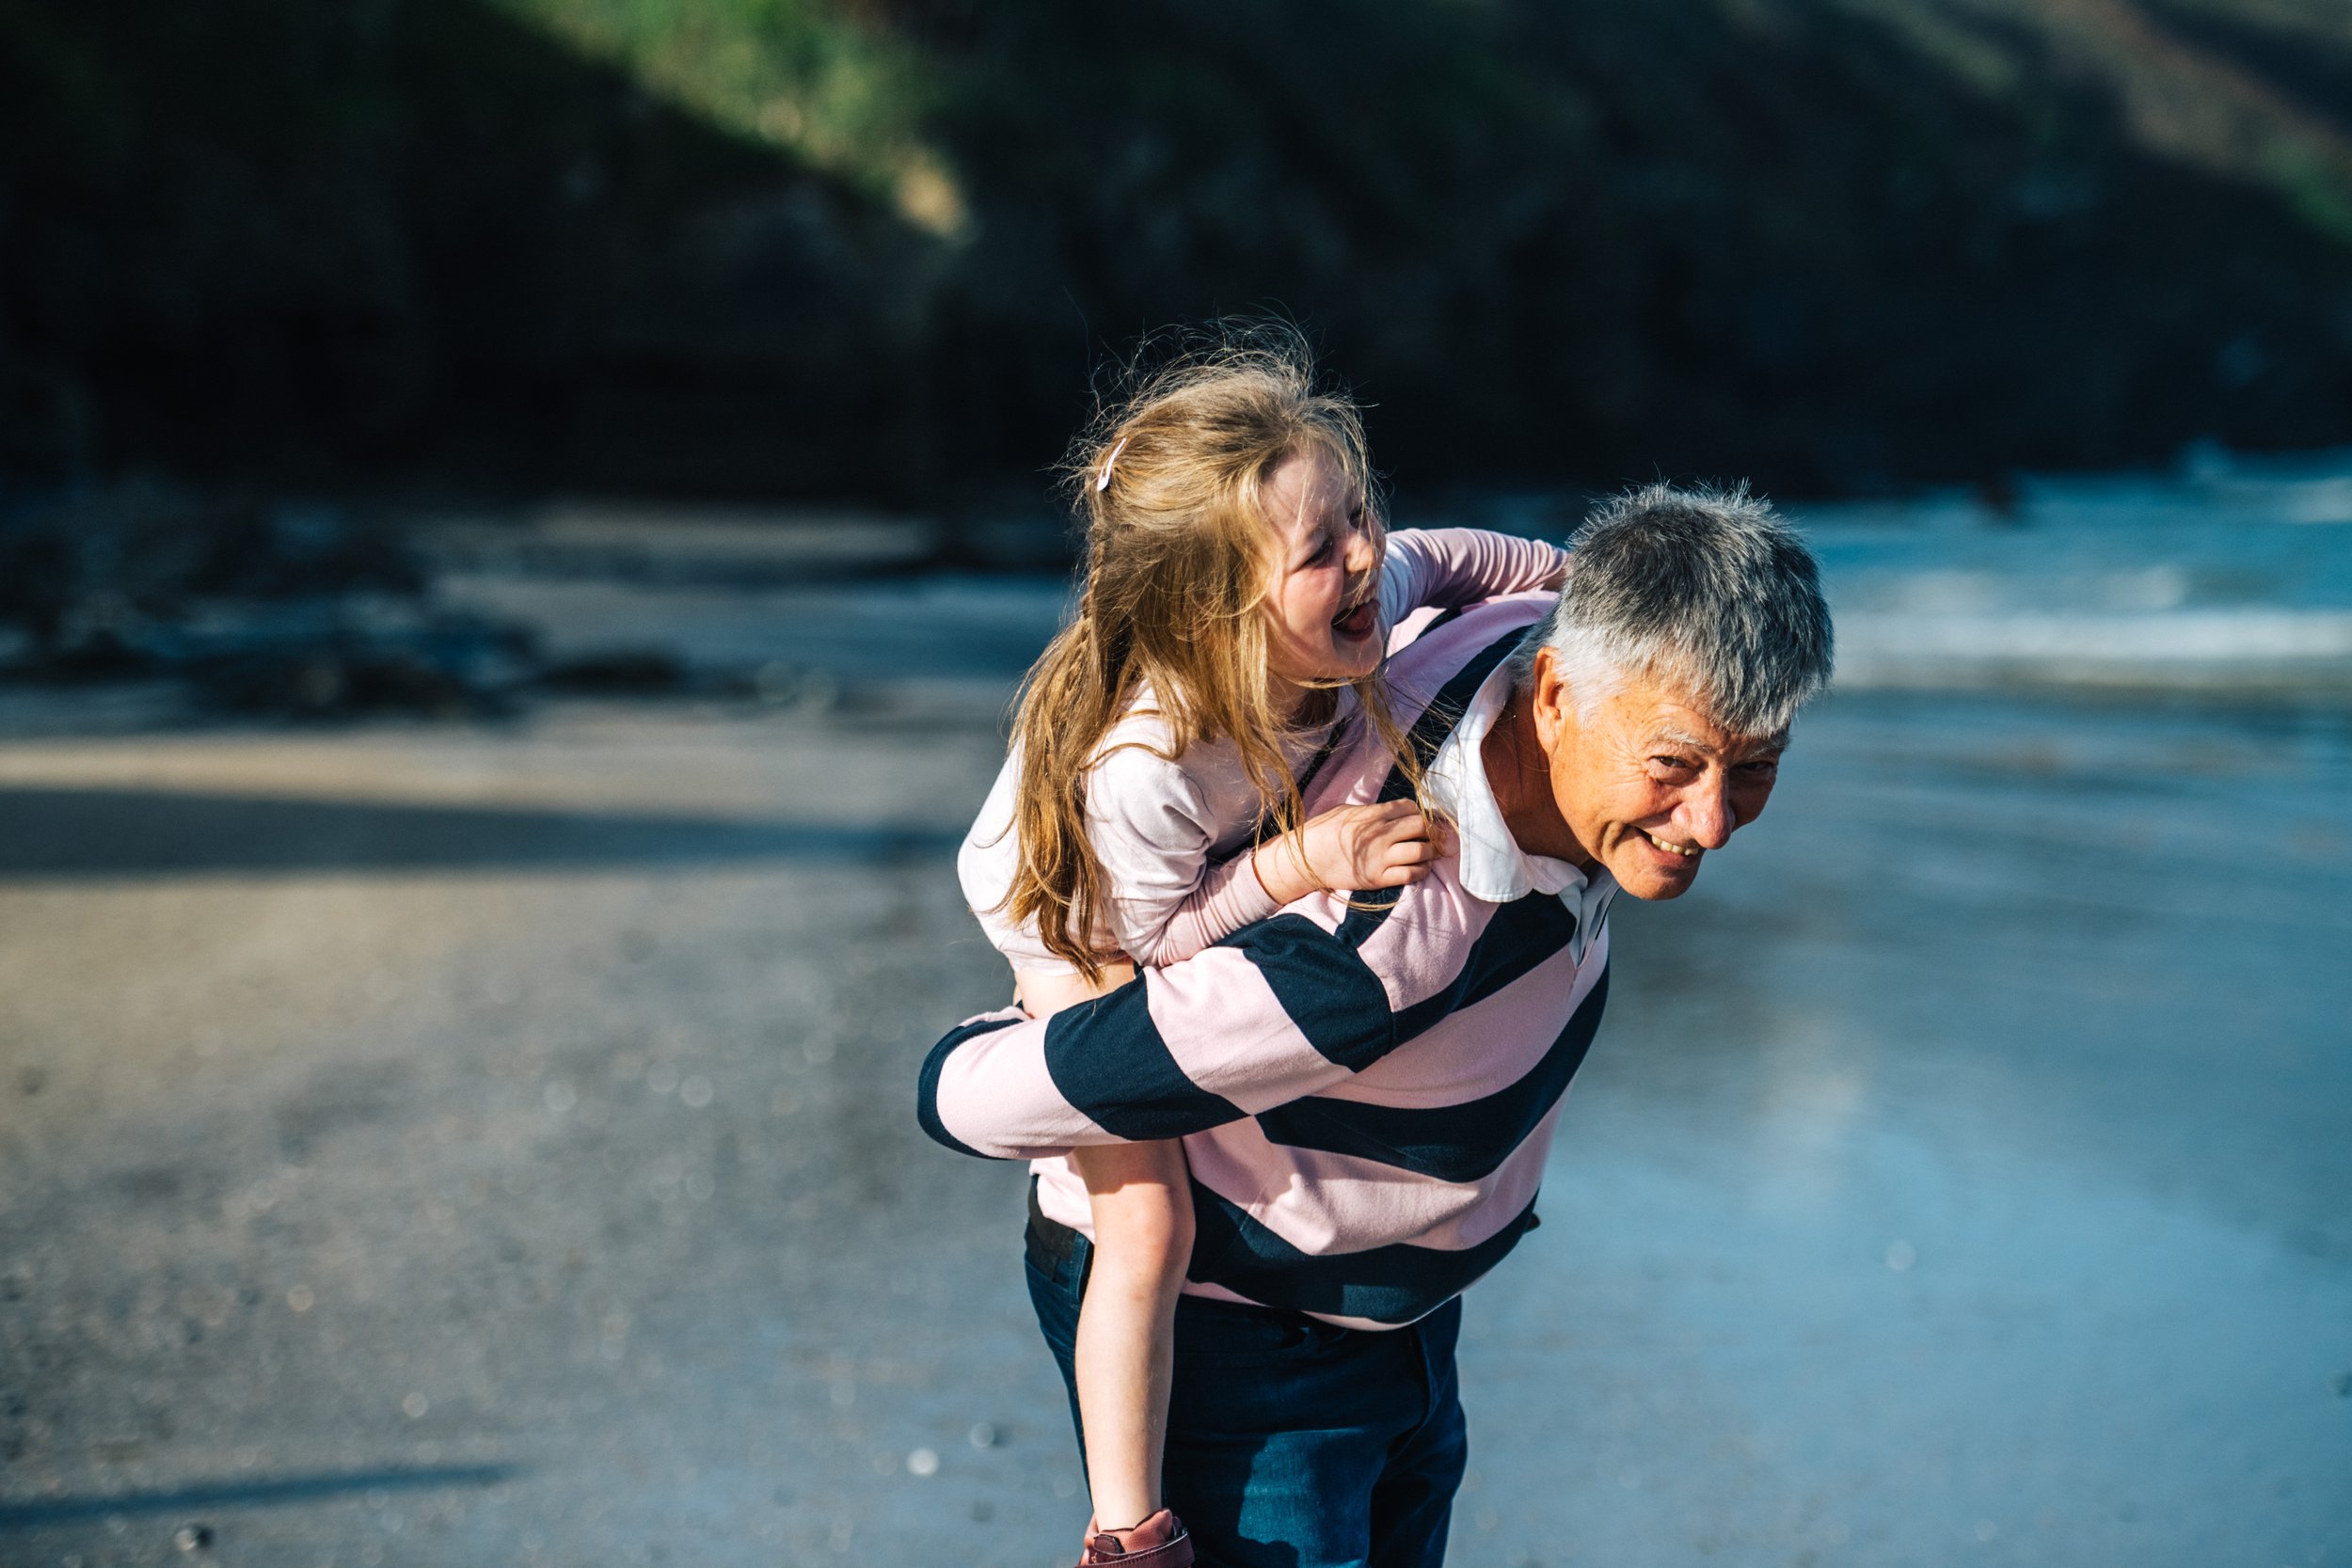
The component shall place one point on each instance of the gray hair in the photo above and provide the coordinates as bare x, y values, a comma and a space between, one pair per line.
1705, 588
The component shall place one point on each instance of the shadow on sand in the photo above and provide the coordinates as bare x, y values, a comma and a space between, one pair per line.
125, 833
282, 1491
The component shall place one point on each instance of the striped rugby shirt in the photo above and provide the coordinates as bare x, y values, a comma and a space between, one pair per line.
1366, 1094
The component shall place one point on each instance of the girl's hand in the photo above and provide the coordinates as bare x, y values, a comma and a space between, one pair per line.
1350, 848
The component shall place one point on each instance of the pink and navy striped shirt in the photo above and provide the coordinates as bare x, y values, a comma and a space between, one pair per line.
1366, 1094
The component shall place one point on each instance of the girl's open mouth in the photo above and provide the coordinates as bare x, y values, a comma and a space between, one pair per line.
1357, 621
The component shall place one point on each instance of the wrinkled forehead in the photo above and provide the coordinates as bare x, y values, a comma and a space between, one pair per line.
1666, 711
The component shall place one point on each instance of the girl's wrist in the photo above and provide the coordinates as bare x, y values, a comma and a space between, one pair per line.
1289, 879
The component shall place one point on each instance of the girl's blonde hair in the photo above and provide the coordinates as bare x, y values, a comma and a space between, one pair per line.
1165, 483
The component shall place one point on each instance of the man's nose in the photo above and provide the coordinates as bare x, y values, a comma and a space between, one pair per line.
1707, 815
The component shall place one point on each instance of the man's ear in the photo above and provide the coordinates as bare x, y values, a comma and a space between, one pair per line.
1548, 700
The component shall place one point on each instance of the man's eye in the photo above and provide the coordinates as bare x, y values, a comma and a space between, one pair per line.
1672, 762
1763, 768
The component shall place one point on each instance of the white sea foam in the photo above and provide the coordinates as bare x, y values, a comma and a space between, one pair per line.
2229, 573
2189, 649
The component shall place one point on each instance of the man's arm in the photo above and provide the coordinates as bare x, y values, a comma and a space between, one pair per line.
1281, 1010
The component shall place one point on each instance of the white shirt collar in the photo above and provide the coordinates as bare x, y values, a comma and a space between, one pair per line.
1493, 866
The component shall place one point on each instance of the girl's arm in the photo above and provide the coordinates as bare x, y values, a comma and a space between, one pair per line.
1349, 849
1453, 566
1232, 895
1152, 824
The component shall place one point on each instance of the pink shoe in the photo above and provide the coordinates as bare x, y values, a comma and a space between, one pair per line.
1159, 1541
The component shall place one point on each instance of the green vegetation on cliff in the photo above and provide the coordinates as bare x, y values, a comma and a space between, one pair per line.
802, 247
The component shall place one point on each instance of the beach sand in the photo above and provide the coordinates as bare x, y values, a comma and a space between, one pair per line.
493, 1142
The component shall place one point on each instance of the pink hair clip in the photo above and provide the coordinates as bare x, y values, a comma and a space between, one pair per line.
1103, 480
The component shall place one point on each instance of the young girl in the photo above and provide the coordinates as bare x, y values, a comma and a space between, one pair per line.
1238, 595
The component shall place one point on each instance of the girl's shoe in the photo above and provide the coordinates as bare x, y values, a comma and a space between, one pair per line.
1159, 1541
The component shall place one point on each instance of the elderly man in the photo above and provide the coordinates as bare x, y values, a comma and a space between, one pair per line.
1366, 1084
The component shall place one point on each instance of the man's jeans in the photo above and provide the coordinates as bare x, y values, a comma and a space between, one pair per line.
1293, 1444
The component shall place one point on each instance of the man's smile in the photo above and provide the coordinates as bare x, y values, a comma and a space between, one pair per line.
1688, 852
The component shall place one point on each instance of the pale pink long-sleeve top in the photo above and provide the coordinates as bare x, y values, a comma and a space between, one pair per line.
1167, 833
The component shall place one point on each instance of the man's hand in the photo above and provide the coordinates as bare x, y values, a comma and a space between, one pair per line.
1350, 848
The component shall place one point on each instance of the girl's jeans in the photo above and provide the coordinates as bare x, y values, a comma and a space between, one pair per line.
1291, 1444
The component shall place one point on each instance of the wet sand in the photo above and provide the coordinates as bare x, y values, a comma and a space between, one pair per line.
493, 1145
1960, 1176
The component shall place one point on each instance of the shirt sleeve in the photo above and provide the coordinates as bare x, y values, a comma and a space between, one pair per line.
1151, 826
1449, 567
1229, 896
1283, 1010
985, 865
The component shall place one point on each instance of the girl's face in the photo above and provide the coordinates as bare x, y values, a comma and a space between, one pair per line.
1323, 607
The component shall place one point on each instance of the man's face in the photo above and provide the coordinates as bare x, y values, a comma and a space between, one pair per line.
1649, 782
